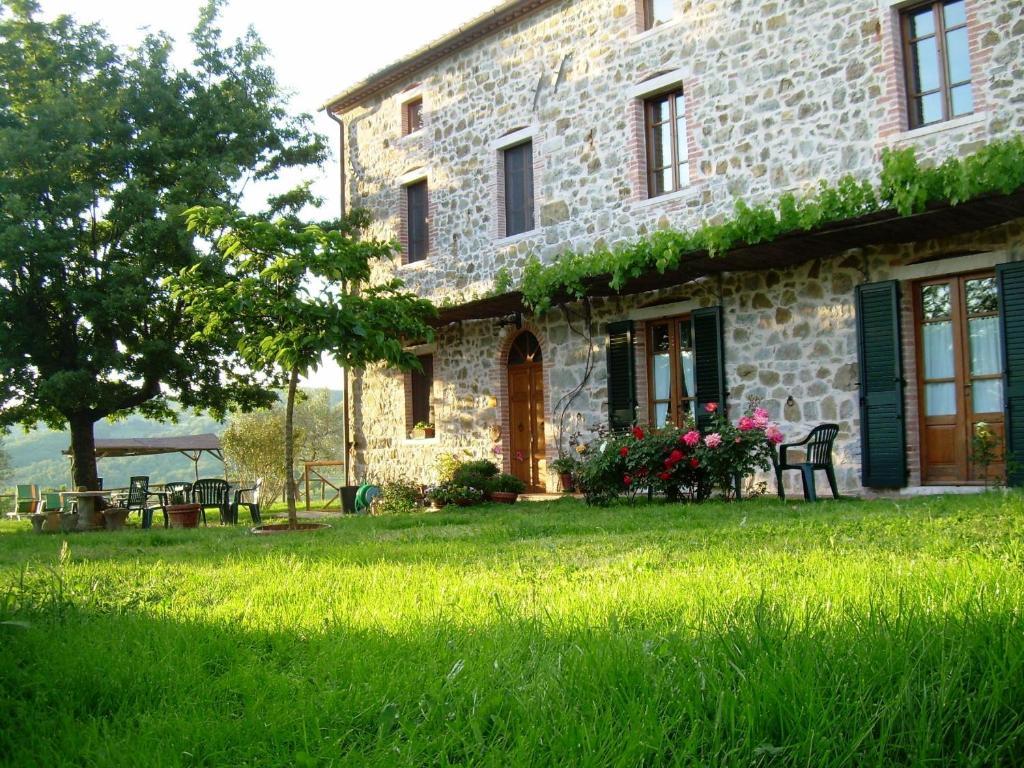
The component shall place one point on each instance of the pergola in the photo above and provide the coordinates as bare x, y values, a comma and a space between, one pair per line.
190, 446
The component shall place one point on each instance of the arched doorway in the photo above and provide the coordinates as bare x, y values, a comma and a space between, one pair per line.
526, 409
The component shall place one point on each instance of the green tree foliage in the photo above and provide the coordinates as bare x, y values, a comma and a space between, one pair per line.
5, 465
103, 150
279, 292
253, 447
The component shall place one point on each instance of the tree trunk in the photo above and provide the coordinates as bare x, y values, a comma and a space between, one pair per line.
289, 444
83, 452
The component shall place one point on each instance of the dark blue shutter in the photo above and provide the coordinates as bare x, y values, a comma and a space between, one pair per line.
1011, 302
880, 360
709, 361
621, 376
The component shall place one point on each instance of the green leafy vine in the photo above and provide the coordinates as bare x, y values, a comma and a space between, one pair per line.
904, 186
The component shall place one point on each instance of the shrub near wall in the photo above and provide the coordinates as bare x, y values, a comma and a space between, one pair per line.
679, 463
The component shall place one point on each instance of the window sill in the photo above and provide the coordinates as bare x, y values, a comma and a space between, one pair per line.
425, 441
967, 121
513, 239
646, 34
687, 193
412, 266
409, 137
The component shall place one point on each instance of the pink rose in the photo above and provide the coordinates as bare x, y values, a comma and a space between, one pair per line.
713, 440
711, 407
691, 438
773, 434
760, 418
746, 424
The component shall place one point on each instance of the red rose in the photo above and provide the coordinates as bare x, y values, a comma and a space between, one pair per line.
711, 407
676, 456
694, 463
623, 451
665, 475
627, 479
668, 463
638, 433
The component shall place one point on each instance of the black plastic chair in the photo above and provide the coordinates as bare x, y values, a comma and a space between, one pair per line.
818, 455
137, 499
253, 504
212, 493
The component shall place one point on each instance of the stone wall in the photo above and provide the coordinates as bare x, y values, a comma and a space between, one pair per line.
778, 97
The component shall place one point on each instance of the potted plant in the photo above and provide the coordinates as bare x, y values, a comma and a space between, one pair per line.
566, 469
181, 514
505, 488
466, 495
422, 430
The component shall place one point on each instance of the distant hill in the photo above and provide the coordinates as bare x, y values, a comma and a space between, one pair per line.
36, 456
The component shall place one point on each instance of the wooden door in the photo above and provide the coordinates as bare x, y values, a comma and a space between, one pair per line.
670, 371
526, 410
960, 380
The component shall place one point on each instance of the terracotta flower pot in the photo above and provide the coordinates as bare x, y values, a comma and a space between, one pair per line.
51, 522
113, 518
504, 497
423, 434
183, 515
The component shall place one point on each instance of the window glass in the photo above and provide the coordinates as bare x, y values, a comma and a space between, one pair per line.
422, 383
518, 162
658, 12
988, 396
667, 149
940, 399
935, 301
417, 234
982, 296
938, 62
986, 346
954, 14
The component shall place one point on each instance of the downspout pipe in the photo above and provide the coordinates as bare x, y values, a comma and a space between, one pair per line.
344, 371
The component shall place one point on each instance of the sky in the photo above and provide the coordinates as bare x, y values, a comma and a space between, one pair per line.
317, 48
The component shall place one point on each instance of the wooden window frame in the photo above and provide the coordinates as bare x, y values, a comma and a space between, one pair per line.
675, 393
417, 249
649, 22
420, 385
528, 197
673, 98
914, 120
412, 116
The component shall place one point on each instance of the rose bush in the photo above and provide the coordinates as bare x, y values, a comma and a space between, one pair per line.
680, 464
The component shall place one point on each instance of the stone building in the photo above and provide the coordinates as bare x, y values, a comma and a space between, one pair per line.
549, 126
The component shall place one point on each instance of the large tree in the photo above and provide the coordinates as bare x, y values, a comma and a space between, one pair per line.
295, 292
101, 152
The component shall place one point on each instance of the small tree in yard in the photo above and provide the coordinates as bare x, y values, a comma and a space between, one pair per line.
283, 298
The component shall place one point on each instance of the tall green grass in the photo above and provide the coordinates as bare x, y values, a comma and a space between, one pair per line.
842, 634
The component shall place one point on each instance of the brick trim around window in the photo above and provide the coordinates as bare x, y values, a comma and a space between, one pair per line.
894, 66
636, 134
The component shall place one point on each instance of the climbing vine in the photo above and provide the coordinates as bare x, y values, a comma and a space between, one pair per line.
904, 186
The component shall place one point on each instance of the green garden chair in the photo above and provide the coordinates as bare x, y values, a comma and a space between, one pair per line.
26, 503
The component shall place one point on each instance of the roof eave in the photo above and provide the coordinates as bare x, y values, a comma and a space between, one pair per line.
395, 74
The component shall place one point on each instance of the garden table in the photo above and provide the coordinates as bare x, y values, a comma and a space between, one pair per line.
86, 505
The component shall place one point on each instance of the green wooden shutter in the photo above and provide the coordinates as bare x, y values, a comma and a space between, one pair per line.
880, 358
621, 375
1011, 302
709, 361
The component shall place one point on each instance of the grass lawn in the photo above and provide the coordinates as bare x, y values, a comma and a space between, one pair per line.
846, 633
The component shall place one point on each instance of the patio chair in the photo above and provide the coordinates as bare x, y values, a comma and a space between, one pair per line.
253, 503
817, 455
137, 499
212, 493
26, 502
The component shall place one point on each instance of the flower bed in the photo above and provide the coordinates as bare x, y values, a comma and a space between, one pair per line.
681, 464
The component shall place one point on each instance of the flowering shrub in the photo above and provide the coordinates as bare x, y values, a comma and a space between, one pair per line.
679, 463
